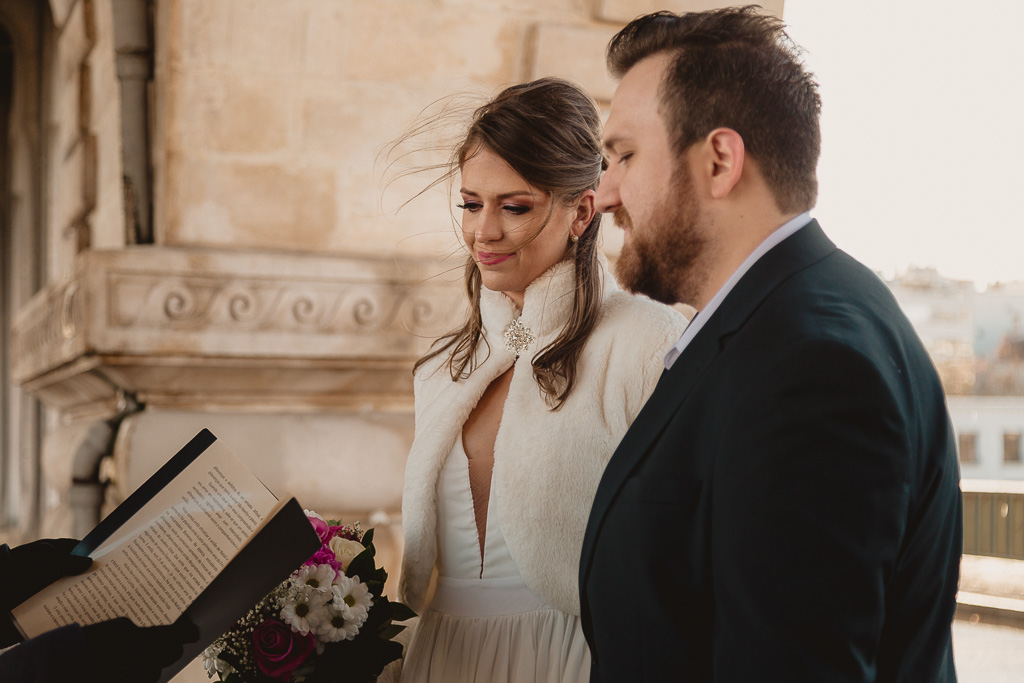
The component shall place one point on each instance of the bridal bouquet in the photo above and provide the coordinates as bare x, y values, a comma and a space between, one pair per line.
328, 621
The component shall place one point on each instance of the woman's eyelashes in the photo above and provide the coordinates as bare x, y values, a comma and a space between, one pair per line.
514, 209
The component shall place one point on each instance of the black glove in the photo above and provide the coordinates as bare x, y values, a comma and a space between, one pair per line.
126, 652
29, 568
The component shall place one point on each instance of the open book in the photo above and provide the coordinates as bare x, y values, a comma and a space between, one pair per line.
202, 537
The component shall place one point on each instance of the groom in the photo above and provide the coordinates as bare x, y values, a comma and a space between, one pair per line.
786, 507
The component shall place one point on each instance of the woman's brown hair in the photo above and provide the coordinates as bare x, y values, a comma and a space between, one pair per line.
549, 132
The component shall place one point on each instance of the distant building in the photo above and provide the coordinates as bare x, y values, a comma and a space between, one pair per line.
998, 313
988, 432
977, 344
942, 312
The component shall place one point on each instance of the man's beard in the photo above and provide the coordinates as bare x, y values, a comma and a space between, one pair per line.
663, 259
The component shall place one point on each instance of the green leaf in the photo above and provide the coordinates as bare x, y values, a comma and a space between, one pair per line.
361, 566
401, 611
368, 537
391, 631
355, 661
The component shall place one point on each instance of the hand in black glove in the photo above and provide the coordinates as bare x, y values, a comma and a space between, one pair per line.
126, 652
29, 568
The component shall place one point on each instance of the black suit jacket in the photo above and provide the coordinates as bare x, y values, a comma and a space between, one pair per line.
786, 506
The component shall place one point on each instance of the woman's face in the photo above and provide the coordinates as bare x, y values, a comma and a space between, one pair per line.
501, 217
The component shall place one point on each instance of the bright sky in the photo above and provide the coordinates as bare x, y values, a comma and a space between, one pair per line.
922, 131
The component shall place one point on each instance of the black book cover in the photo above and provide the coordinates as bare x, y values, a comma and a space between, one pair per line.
279, 548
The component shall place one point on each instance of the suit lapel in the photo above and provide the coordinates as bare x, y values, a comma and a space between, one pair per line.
669, 394
805, 247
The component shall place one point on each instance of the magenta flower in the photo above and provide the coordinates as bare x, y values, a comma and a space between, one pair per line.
322, 530
324, 556
278, 650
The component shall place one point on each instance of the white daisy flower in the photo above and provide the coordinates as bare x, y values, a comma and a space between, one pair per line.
212, 661
338, 625
352, 597
315, 576
304, 609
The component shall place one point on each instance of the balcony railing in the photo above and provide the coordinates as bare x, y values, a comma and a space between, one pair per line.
994, 518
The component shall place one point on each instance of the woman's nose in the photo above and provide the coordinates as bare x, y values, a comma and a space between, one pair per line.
488, 227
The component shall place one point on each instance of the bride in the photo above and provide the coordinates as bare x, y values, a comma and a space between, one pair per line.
519, 410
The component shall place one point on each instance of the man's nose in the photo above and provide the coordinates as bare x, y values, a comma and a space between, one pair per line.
607, 199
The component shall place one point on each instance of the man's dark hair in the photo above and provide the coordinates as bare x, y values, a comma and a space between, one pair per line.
734, 68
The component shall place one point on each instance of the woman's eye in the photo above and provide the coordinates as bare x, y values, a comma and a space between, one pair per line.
624, 157
468, 206
516, 209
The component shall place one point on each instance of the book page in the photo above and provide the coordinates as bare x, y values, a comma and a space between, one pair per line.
154, 566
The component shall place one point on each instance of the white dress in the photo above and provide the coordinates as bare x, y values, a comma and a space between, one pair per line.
484, 625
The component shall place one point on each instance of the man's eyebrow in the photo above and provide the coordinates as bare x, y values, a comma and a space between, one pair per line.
610, 143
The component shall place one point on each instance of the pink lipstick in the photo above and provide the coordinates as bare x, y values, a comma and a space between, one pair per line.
487, 258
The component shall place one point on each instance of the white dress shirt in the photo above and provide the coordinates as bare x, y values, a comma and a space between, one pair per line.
781, 233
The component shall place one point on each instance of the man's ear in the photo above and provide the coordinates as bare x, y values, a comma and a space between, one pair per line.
725, 156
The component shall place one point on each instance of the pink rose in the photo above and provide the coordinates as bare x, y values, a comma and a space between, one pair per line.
322, 530
278, 650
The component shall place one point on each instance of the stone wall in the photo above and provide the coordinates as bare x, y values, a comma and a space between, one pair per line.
273, 112
63, 195
82, 143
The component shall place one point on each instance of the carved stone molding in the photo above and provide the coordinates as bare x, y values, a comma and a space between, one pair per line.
197, 327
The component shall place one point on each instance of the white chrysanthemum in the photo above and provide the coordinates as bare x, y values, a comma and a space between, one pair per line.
304, 609
338, 625
315, 576
352, 597
213, 663
345, 550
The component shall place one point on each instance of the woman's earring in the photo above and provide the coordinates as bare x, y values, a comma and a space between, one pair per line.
574, 238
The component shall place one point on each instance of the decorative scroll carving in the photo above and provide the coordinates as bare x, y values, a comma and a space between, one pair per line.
169, 302
192, 327
48, 332
179, 303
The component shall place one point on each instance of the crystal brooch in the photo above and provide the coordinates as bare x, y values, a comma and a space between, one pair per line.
518, 337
